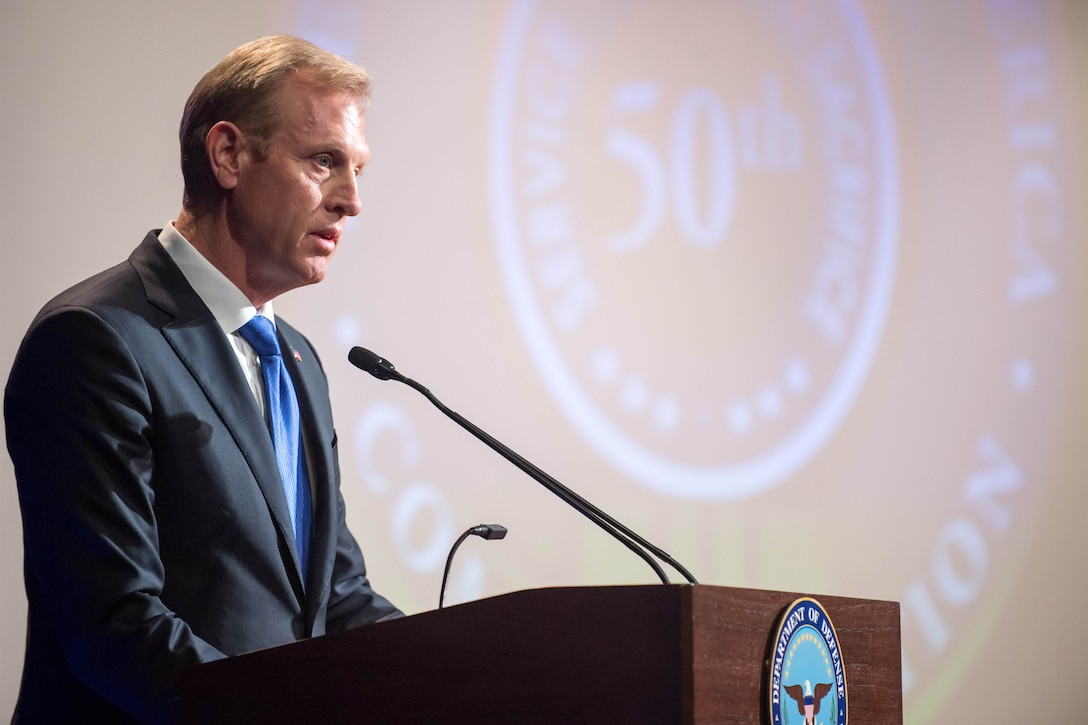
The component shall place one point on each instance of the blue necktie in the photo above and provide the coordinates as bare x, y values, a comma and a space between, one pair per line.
283, 419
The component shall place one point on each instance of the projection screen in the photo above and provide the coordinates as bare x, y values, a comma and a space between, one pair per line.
790, 288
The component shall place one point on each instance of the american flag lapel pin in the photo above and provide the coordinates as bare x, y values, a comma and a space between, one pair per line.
298, 358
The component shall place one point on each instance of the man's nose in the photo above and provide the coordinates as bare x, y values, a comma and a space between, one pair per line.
344, 197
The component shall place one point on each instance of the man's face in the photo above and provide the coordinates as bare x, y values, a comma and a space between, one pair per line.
287, 211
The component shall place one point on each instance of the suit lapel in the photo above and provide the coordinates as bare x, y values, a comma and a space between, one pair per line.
198, 340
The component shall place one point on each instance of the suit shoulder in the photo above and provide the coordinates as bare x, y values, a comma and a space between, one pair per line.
120, 291
99, 290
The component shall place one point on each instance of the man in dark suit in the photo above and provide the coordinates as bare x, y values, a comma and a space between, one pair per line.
160, 528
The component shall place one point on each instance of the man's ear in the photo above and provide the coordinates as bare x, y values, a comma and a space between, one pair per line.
226, 145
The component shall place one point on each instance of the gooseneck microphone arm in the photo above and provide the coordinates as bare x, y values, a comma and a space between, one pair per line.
579, 504
489, 532
383, 370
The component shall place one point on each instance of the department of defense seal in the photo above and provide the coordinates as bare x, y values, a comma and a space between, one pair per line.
806, 678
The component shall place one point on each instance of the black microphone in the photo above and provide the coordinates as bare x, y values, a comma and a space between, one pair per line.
376, 365
382, 369
488, 532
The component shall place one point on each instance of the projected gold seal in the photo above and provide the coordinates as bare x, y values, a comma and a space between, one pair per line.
763, 202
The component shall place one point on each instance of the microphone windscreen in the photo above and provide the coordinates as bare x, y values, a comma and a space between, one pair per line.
374, 364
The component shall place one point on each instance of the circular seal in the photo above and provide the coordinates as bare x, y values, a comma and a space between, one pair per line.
610, 168
806, 681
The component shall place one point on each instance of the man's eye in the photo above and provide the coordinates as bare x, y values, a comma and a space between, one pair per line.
324, 161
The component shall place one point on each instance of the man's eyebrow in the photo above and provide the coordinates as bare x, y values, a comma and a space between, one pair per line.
324, 147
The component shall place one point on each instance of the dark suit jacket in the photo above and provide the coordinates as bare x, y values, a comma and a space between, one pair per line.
155, 526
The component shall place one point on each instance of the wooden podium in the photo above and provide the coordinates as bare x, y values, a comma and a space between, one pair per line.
627, 654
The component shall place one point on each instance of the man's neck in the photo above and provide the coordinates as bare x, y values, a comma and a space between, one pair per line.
209, 234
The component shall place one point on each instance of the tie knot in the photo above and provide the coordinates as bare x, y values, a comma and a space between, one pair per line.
261, 334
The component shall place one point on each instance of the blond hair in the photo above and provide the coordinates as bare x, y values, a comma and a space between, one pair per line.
243, 88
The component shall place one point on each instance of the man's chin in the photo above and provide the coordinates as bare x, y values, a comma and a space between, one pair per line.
316, 272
